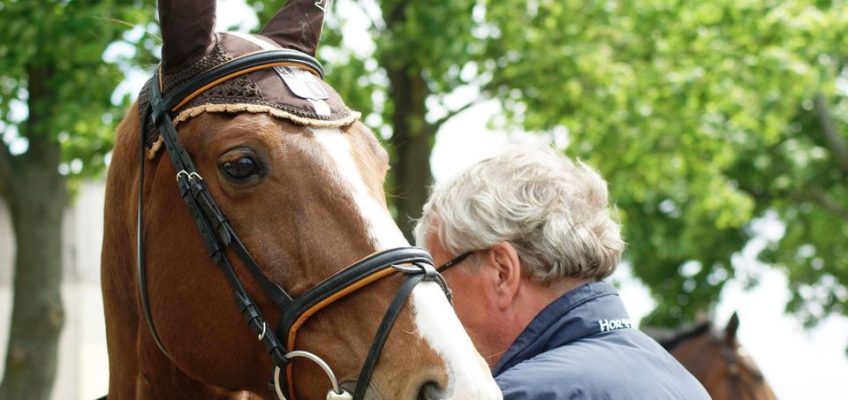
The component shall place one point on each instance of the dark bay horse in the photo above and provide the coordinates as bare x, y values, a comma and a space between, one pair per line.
717, 360
241, 177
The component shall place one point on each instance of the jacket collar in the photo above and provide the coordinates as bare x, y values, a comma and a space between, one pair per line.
592, 308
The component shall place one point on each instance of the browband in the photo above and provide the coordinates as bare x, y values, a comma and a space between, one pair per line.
233, 68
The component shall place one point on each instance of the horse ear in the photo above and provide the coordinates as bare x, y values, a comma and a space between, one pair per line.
730, 329
187, 31
298, 25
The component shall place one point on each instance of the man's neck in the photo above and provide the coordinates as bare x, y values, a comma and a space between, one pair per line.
559, 289
531, 299
535, 296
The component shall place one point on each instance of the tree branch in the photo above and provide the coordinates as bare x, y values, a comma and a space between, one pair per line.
438, 124
816, 195
821, 198
834, 140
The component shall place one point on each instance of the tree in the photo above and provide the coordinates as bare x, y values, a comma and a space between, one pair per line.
703, 116
56, 117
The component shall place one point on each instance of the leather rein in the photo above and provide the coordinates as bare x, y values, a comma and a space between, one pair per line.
218, 236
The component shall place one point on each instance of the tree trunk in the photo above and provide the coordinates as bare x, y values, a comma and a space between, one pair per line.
37, 195
832, 137
412, 141
412, 137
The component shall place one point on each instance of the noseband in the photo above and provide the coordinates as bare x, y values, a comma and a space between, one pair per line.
218, 235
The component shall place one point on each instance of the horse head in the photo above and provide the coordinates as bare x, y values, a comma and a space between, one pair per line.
718, 361
277, 180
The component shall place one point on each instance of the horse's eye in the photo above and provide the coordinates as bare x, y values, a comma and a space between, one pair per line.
242, 168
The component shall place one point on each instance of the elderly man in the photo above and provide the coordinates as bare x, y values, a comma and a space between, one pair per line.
525, 239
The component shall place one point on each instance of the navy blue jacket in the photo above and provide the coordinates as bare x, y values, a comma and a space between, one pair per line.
584, 346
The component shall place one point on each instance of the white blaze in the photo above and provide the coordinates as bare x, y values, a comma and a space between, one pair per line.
382, 230
470, 378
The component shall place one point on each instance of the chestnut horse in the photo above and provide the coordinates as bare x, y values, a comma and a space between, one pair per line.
717, 360
282, 186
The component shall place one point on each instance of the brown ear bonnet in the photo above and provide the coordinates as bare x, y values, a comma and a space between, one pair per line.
190, 47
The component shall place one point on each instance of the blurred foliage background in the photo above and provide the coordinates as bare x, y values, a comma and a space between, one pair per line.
703, 116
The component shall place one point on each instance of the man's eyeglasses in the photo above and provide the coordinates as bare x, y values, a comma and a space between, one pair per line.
454, 261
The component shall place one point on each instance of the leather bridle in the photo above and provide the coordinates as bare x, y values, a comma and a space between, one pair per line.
218, 236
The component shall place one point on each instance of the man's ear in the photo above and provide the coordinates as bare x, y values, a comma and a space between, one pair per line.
504, 259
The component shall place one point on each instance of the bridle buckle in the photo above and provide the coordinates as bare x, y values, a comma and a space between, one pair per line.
430, 274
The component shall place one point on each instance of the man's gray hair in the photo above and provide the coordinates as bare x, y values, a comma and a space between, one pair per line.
552, 210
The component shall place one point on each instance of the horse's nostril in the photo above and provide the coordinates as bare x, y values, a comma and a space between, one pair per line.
430, 391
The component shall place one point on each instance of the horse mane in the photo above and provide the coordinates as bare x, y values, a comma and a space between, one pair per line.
670, 339
714, 358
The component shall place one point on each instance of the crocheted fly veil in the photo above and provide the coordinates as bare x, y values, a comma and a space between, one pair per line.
293, 92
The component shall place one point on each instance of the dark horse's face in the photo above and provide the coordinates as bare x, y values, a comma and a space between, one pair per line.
721, 365
305, 196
